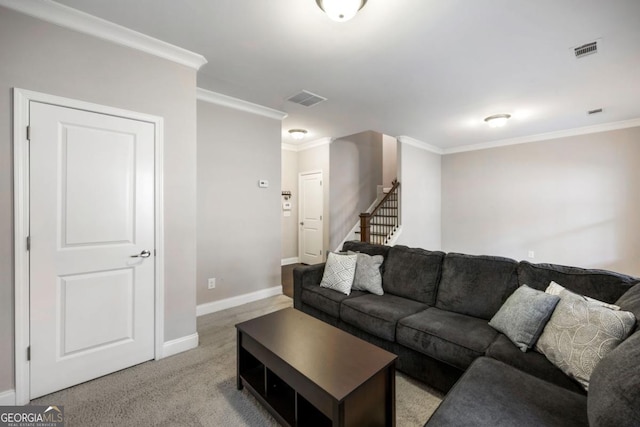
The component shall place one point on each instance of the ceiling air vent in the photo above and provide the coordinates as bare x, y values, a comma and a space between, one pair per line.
306, 98
586, 49
596, 111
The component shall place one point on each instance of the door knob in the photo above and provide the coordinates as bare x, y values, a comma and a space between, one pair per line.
143, 254
302, 223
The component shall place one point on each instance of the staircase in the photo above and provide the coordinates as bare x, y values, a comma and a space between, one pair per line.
381, 223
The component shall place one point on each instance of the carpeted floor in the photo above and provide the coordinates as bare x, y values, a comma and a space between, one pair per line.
198, 387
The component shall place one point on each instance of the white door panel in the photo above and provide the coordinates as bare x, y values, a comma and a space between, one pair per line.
91, 209
311, 221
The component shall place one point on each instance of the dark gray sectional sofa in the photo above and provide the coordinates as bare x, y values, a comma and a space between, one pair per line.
434, 315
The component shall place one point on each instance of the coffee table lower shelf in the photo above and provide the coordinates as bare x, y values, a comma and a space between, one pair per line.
281, 400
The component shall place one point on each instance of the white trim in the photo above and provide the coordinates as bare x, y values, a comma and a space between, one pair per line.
419, 144
8, 398
352, 232
76, 20
289, 147
604, 127
181, 344
289, 261
21, 100
238, 104
215, 306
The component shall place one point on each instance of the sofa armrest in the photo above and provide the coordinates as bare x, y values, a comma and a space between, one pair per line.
307, 274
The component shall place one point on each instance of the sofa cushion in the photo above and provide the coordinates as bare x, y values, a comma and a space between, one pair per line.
450, 337
476, 285
494, 394
523, 316
614, 393
603, 285
378, 314
531, 362
412, 273
580, 333
630, 301
325, 300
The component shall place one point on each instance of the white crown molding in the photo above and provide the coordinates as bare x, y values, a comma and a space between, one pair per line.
545, 136
289, 147
238, 104
419, 144
64, 16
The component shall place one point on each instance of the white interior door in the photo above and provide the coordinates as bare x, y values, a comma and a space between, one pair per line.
311, 225
91, 211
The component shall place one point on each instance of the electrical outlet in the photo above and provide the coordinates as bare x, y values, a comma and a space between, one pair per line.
532, 254
212, 283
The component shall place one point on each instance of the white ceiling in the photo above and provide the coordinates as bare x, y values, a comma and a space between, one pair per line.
428, 69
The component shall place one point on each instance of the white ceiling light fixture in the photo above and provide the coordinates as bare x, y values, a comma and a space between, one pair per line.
497, 120
341, 10
297, 134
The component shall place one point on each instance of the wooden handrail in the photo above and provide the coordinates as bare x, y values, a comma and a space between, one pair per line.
365, 217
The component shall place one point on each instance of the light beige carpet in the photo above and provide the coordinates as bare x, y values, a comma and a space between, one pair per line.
198, 387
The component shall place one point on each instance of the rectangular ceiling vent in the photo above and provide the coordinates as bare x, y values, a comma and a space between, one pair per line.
306, 98
596, 111
586, 49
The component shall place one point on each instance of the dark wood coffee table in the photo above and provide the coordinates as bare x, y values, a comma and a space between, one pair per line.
308, 373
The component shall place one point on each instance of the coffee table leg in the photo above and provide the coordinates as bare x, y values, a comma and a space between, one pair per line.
238, 356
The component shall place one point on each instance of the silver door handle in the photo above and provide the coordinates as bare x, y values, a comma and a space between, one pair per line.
143, 254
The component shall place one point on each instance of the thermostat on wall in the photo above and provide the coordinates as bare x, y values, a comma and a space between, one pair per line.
263, 183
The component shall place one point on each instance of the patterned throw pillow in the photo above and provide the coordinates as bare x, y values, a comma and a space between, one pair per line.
555, 289
580, 333
339, 272
368, 277
524, 315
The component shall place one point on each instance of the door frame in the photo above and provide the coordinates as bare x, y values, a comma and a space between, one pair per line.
300, 199
21, 100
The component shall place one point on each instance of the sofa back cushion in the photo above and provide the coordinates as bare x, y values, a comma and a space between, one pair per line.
476, 285
602, 285
412, 273
366, 248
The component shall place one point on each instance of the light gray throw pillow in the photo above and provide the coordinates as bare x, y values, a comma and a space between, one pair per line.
339, 272
368, 277
580, 333
523, 316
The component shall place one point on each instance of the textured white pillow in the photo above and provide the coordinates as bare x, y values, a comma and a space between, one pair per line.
339, 272
580, 333
368, 277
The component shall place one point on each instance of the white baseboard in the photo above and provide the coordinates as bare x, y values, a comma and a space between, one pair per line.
289, 261
179, 345
212, 307
8, 398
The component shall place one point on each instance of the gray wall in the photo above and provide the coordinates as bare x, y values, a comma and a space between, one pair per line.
46, 58
290, 223
356, 172
420, 195
238, 222
317, 159
389, 160
573, 201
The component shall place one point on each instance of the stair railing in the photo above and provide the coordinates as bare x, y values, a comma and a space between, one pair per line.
378, 225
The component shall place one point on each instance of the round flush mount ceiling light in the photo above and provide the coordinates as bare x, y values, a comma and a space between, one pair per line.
497, 120
297, 134
341, 10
